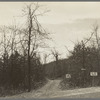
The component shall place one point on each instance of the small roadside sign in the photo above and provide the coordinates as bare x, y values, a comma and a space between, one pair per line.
68, 76
83, 69
93, 73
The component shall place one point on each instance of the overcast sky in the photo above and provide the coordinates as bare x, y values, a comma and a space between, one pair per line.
68, 21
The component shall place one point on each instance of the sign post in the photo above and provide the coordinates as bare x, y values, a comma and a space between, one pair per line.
83, 75
93, 74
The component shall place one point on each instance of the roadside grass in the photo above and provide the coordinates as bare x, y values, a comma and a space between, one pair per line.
67, 84
10, 92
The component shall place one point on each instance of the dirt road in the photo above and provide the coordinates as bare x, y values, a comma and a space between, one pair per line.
49, 89
46, 91
52, 90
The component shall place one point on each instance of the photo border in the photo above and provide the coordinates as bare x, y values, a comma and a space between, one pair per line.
2, 98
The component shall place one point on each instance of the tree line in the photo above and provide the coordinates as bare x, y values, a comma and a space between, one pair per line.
83, 59
20, 62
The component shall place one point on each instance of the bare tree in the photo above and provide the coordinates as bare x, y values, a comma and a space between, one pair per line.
4, 47
34, 34
56, 55
45, 57
97, 38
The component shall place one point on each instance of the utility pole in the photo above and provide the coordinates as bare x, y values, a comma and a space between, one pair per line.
83, 62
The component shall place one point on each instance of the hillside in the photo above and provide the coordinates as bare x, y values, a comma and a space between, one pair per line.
51, 69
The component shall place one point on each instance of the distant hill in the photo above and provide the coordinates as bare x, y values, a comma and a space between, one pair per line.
53, 71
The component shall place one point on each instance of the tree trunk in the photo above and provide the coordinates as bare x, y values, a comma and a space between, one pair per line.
29, 60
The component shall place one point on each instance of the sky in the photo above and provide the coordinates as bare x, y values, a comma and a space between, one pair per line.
68, 22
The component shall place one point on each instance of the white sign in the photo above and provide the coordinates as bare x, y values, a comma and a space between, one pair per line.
93, 74
83, 69
68, 76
